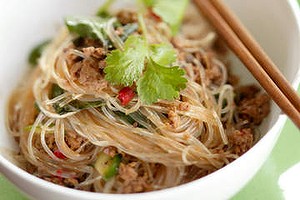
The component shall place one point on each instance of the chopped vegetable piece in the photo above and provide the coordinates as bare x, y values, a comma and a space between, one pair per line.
126, 95
59, 173
36, 53
160, 82
107, 166
59, 154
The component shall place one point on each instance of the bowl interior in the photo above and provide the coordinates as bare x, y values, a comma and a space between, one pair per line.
278, 34
275, 28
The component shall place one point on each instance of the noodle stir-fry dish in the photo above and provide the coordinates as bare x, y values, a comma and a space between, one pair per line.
132, 101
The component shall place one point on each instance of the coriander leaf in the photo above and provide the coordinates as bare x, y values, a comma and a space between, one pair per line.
160, 82
171, 11
125, 67
36, 52
163, 54
92, 27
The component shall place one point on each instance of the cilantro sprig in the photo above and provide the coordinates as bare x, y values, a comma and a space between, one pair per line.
148, 65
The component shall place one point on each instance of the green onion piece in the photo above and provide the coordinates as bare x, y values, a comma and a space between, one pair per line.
28, 128
74, 105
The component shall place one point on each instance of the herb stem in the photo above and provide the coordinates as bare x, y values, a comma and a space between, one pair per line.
103, 10
143, 26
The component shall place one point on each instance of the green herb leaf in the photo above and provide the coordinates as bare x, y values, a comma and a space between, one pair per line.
103, 10
28, 128
148, 3
56, 91
81, 105
36, 53
163, 54
92, 27
126, 67
171, 11
160, 82
74, 105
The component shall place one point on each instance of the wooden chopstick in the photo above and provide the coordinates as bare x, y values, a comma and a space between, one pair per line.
258, 53
239, 48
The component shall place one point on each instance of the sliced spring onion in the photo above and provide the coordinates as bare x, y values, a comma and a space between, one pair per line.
74, 105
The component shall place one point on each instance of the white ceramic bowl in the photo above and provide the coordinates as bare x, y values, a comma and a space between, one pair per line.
275, 24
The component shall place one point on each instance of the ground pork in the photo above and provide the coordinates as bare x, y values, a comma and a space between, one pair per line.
241, 140
174, 119
126, 17
111, 151
233, 79
87, 70
73, 140
213, 73
89, 74
247, 92
133, 182
184, 106
91, 51
50, 141
67, 182
252, 106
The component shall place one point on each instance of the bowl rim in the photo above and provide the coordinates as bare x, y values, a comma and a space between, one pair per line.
13, 169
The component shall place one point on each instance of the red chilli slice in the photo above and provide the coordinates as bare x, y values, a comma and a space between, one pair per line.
59, 154
126, 95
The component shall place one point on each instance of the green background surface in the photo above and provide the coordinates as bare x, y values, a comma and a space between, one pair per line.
263, 186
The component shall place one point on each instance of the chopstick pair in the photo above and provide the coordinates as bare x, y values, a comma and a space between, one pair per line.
252, 56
